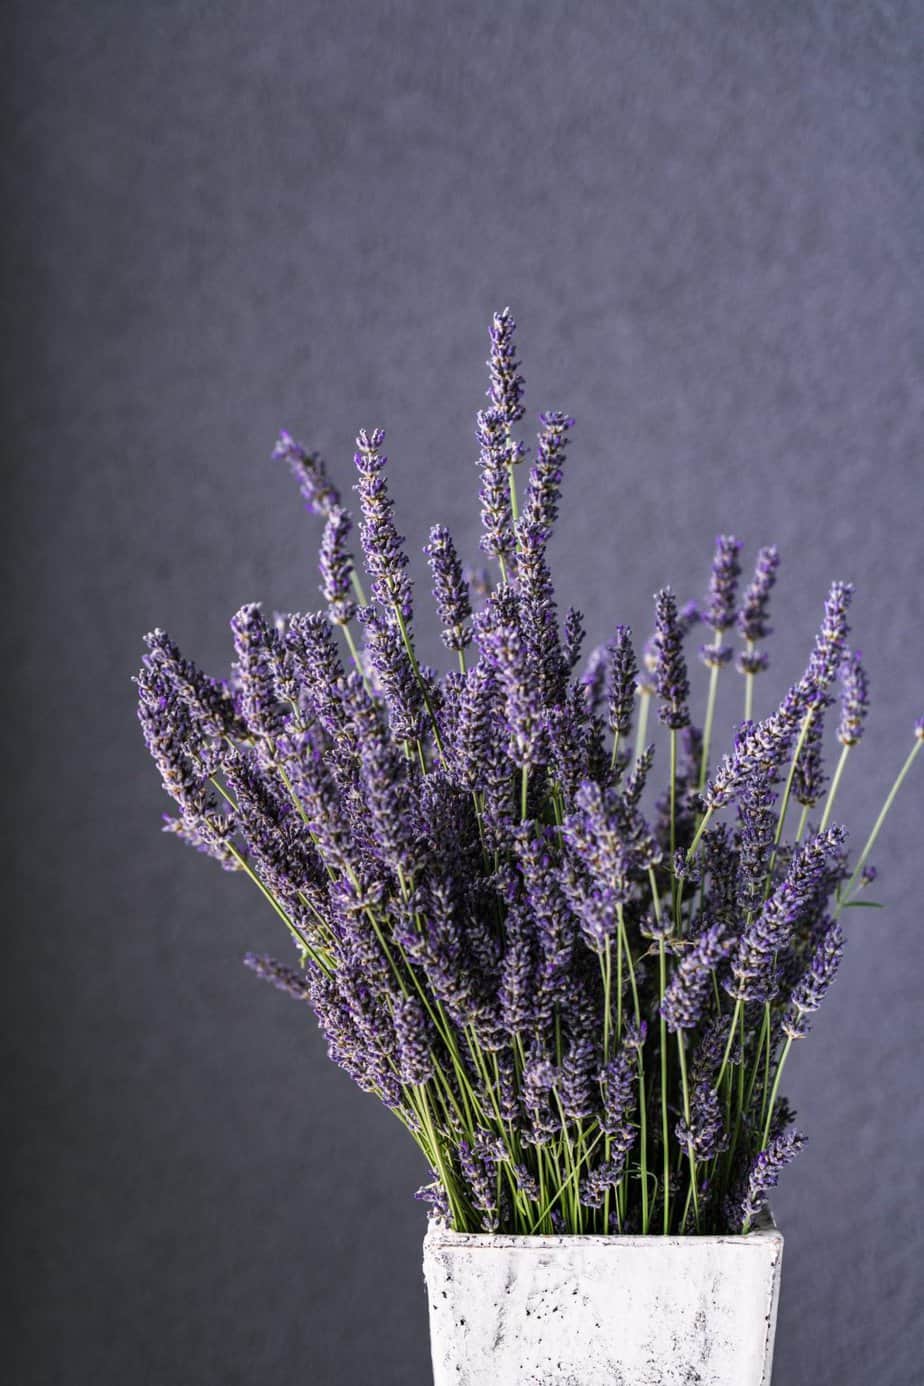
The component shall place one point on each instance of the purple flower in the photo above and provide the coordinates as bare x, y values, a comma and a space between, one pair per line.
755, 972
394, 675
479, 1170
383, 546
761, 1175
719, 612
258, 650
831, 641
618, 1085
540, 509
576, 1080
285, 978
496, 458
574, 638
691, 984
623, 673
503, 645
671, 671
318, 670
854, 699
336, 566
811, 990
517, 992
506, 390
752, 619
208, 833
808, 783
705, 1136
757, 814
762, 749
321, 496
450, 590
414, 1039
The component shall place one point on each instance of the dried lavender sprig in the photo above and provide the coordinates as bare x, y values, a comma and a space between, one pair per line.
506, 388
854, 698
450, 590
383, 546
495, 459
336, 565
811, 990
540, 508
761, 1175
753, 616
671, 669
719, 611
622, 671
309, 470
685, 998
755, 972
831, 642
762, 751
284, 978
808, 776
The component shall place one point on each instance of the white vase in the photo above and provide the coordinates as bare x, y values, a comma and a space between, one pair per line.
602, 1311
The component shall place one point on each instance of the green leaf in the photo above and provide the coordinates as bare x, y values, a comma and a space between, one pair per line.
863, 905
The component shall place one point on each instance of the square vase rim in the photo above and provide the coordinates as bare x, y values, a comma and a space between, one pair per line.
764, 1233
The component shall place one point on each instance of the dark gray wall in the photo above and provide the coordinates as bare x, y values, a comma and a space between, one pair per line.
223, 219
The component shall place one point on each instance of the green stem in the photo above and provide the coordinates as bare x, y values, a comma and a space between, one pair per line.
573, 1175
686, 1114
703, 824
641, 729
877, 826
710, 713
749, 689
775, 1091
835, 783
665, 1140
803, 733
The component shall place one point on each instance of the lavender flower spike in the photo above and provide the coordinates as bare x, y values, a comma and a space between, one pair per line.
623, 674
336, 566
854, 699
671, 669
812, 989
321, 495
831, 641
450, 590
495, 458
752, 620
506, 391
284, 978
689, 989
414, 1039
719, 612
383, 546
762, 1175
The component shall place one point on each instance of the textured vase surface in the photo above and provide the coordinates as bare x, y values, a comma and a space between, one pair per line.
602, 1311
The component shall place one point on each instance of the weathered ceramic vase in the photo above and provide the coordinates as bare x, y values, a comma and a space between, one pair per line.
602, 1311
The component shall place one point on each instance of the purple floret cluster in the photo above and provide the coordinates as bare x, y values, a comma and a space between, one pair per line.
576, 988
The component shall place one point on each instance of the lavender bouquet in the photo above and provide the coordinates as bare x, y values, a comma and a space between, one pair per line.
578, 996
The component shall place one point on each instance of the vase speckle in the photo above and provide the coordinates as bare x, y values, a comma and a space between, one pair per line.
602, 1311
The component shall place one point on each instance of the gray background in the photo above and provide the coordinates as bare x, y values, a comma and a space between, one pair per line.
223, 219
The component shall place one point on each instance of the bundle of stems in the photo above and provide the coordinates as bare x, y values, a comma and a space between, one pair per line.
578, 997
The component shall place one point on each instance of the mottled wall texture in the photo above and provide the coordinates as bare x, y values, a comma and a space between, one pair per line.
221, 219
